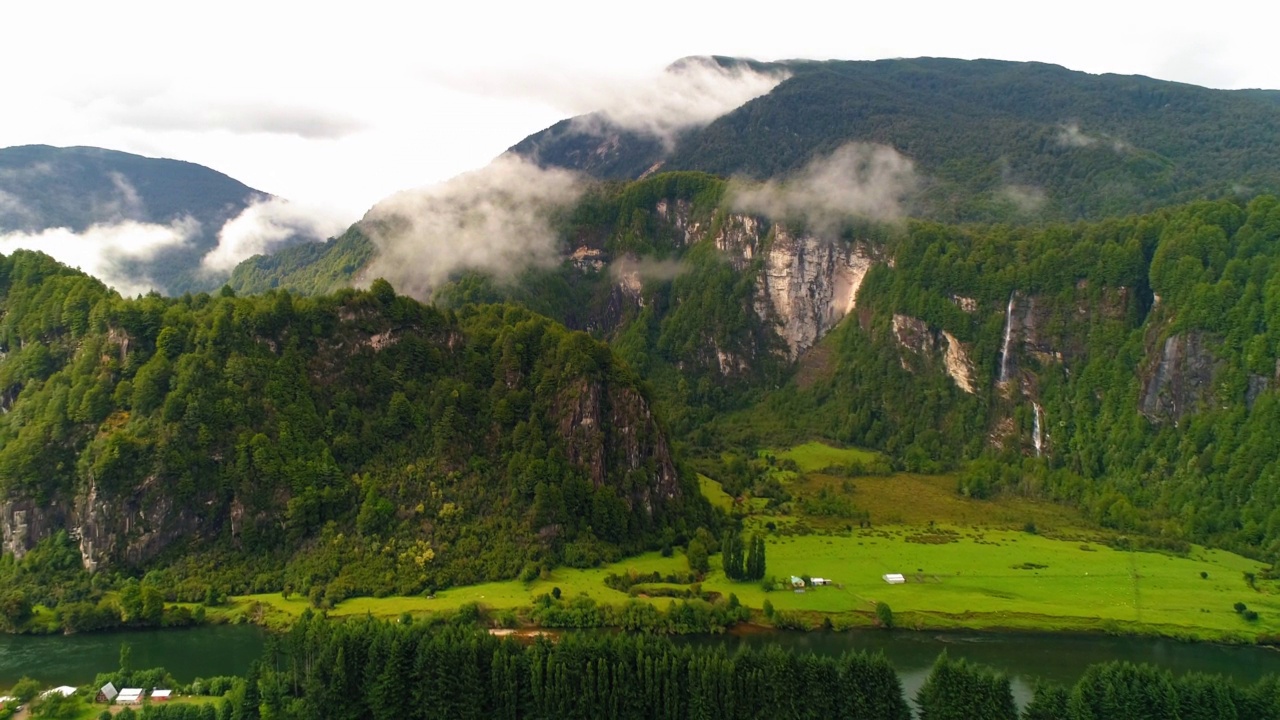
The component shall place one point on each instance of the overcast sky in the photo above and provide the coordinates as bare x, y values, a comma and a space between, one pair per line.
344, 107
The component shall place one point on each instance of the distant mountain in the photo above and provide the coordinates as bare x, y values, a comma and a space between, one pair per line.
43, 187
990, 140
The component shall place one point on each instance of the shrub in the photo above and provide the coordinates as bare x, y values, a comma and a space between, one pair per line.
884, 614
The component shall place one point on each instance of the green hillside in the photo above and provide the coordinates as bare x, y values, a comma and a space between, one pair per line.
347, 444
1154, 413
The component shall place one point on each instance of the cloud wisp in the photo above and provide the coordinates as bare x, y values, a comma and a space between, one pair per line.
110, 252
497, 220
856, 180
689, 93
1070, 135
264, 227
631, 270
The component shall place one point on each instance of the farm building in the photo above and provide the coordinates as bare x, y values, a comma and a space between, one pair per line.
894, 578
797, 582
161, 695
107, 693
129, 696
819, 581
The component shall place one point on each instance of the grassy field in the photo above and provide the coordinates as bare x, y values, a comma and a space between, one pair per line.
713, 491
969, 564
815, 456
956, 577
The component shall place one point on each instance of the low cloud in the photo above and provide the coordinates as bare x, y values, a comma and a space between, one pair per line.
629, 269
1028, 199
266, 225
1070, 135
13, 213
689, 93
857, 180
496, 220
109, 252
173, 111
125, 204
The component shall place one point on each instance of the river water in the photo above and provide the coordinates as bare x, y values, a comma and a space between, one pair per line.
1026, 658
187, 653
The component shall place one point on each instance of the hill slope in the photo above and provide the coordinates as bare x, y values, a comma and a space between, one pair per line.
363, 439
992, 140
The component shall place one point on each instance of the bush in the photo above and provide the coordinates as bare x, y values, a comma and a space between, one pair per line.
884, 614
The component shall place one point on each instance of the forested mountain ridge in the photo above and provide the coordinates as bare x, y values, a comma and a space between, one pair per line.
993, 140
370, 441
77, 188
1126, 366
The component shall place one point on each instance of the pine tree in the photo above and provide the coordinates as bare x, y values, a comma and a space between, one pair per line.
732, 555
755, 565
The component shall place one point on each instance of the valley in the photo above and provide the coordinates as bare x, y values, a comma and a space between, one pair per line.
913, 348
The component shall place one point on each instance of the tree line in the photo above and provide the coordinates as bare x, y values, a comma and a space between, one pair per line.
372, 669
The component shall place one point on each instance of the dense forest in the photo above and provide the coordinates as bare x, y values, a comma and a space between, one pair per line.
350, 444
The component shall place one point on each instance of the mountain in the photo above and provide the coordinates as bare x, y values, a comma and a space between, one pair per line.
353, 443
44, 187
1127, 366
990, 140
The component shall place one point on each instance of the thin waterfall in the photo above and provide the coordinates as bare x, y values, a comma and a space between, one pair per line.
1036, 439
1004, 346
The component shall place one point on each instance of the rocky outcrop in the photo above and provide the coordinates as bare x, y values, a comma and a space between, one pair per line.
810, 285
612, 434
959, 365
915, 336
679, 216
1180, 379
807, 284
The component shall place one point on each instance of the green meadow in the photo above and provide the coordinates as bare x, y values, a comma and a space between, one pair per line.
968, 564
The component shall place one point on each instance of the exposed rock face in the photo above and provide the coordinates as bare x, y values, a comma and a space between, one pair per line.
131, 529
679, 215
959, 366
915, 335
1181, 379
806, 284
604, 423
810, 285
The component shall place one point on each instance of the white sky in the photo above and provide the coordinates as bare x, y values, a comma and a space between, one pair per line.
344, 107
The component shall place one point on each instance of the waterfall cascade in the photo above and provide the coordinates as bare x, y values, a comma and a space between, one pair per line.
1004, 346
1036, 439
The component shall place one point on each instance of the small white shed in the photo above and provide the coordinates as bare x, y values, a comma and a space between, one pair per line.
894, 578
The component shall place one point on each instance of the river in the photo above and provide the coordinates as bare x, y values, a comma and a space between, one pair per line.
1026, 658
187, 653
